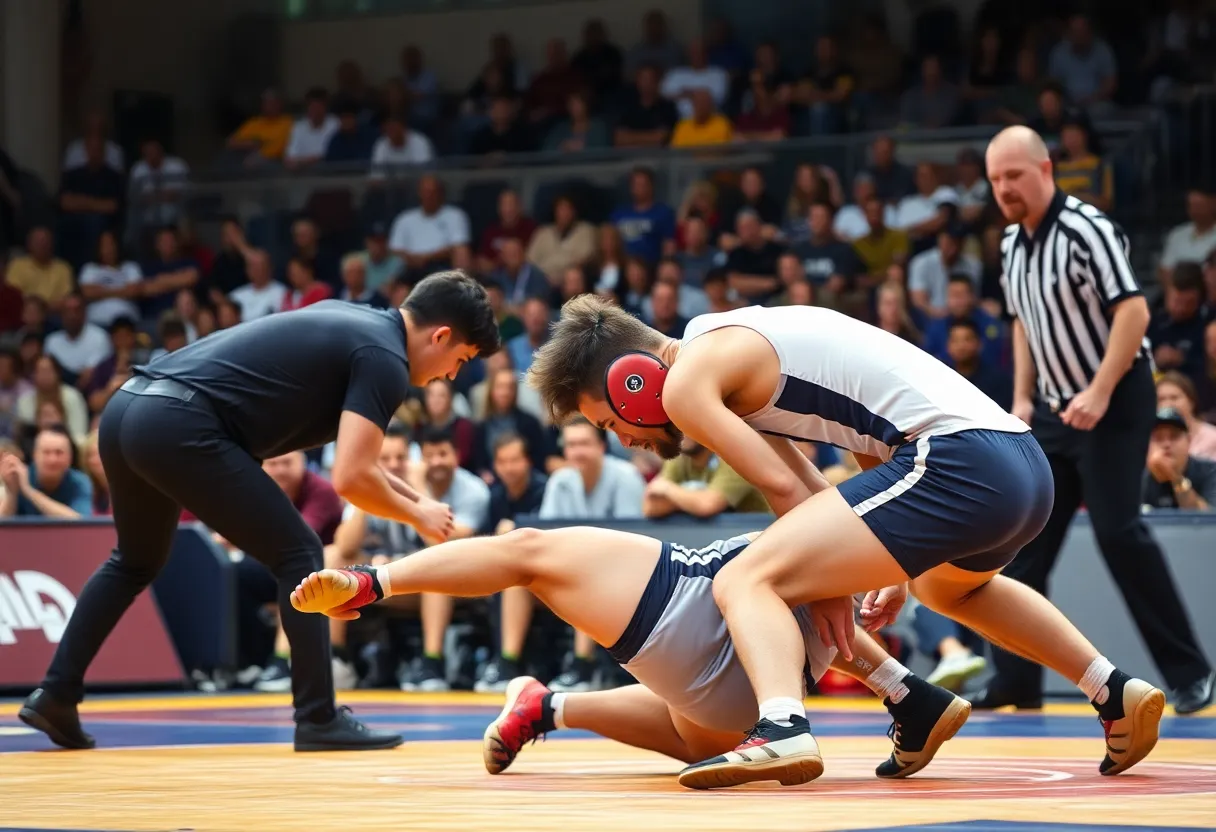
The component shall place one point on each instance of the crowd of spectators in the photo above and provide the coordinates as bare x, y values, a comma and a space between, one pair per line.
915, 251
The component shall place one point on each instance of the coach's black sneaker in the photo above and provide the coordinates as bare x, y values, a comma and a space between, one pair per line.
496, 675
991, 698
1193, 698
343, 733
769, 752
579, 677
924, 719
58, 720
1130, 712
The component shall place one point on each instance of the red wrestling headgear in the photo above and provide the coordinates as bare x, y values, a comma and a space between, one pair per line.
633, 386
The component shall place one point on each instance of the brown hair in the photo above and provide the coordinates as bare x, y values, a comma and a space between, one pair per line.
590, 334
1182, 383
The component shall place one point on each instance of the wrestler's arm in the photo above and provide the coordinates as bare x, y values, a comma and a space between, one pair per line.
694, 397
799, 464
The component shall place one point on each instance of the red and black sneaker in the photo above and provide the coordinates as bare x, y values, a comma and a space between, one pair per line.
527, 716
770, 751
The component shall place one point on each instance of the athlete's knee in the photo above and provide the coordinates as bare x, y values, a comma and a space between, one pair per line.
526, 549
734, 580
135, 571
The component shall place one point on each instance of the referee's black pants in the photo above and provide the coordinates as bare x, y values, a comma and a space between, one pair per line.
1103, 469
160, 453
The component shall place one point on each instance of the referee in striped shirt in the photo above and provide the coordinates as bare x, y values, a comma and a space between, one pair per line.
1083, 380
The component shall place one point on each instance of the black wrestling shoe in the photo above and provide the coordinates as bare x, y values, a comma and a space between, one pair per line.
58, 720
769, 752
1193, 698
922, 721
1131, 720
343, 733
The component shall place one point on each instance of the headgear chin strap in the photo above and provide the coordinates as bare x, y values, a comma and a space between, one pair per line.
633, 387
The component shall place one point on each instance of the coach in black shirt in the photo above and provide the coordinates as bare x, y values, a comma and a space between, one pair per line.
1083, 381
190, 430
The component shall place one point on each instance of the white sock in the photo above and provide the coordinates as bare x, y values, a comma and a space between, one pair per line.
780, 710
386, 581
887, 681
1093, 681
558, 701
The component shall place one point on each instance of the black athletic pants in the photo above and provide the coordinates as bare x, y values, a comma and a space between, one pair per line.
1102, 468
160, 453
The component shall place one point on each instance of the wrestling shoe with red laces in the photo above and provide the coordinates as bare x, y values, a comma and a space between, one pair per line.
527, 716
787, 754
1130, 713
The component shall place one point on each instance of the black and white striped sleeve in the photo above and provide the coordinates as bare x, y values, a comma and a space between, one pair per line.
1105, 250
1008, 246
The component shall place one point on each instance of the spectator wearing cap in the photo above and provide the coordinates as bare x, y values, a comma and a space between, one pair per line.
1081, 172
110, 284
399, 147
265, 134
353, 141
1194, 240
930, 271
39, 273
1178, 392
50, 486
310, 135
1172, 477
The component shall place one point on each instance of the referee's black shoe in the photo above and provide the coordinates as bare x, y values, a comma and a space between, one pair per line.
343, 733
1196, 696
58, 720
991, 698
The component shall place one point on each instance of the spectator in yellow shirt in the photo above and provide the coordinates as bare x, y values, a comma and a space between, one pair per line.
697, 482
267, 133
1082, 173
706, 127
40, 273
